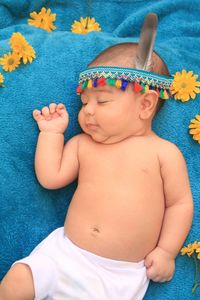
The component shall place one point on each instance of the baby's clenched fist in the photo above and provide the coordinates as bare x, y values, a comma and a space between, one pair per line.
160, 265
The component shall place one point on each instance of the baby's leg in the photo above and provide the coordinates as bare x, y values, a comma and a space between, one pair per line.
17, 284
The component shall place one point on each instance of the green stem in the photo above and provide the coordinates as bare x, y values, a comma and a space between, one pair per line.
195, 286
89, 7
196, 283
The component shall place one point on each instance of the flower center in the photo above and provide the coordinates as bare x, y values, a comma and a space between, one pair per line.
183, 85
11, 61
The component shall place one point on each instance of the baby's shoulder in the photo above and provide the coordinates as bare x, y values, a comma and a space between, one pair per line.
84, 140
167, 151
165, 145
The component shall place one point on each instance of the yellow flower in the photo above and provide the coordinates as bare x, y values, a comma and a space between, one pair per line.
10, 61
44, 19
22, 47
191, 248
1, 80
16, 38
198, 251
195, 131
85, 25
185, 86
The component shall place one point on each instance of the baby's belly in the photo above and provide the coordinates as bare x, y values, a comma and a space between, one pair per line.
123, 227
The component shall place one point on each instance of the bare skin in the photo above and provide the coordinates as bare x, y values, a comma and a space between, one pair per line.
133, 199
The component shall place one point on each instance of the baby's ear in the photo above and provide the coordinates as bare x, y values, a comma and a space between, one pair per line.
148, 104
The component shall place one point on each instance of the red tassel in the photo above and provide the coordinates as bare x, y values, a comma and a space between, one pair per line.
137, 87
79, 90
157, 90
101, 81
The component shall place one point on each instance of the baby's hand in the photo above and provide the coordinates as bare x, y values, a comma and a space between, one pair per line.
52, 119
160, 265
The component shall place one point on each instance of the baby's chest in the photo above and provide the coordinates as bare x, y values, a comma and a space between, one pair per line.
118, 166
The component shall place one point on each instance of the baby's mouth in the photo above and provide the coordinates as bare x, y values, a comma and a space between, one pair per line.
91, 125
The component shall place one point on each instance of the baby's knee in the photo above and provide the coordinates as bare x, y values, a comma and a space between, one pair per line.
17, 284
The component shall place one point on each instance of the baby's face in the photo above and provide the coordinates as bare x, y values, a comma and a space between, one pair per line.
109, 114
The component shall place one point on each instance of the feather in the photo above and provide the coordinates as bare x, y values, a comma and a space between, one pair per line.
143, 60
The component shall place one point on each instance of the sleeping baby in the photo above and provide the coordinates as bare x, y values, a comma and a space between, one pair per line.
132, 208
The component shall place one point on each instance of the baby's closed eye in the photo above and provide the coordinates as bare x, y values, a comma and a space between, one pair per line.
104, 101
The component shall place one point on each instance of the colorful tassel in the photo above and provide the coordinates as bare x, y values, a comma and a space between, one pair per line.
161, 94
79, 90
89, 85
95, 82
110, 81
143, 88
137, 87
118, 83
84, 85
169, 93
165, 94
124, 84
158, 92
101, 81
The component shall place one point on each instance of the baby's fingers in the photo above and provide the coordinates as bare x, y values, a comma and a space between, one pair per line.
151, 273
37, 115
148, 261
60, 108
158, 275
52, 108
46, 113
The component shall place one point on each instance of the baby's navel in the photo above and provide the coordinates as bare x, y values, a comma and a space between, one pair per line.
95, 230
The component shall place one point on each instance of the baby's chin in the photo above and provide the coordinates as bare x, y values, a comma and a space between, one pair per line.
103, 139
100, 136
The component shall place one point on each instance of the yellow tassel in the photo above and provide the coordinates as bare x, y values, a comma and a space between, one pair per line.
89, 86
118, 83
166, 96
146, 88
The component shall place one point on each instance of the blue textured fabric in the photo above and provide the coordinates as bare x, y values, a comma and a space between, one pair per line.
28, 212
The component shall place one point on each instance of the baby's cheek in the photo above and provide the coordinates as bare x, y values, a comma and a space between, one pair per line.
80, 116
81, 120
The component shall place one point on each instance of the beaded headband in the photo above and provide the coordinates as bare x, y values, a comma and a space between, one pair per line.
142, 81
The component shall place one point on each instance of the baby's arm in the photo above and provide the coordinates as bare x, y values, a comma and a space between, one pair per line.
177, 220
56, 164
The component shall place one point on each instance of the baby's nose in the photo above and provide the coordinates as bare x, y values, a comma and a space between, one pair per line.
89, 109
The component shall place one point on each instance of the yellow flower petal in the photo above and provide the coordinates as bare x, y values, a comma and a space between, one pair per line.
184, 86
10, 61
1, 80
20, 46
195, 128
85, 25
191, 248
44, 19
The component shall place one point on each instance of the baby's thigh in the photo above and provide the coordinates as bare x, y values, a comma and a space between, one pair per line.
17, 284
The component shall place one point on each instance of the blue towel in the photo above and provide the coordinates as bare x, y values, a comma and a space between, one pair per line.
29, 212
